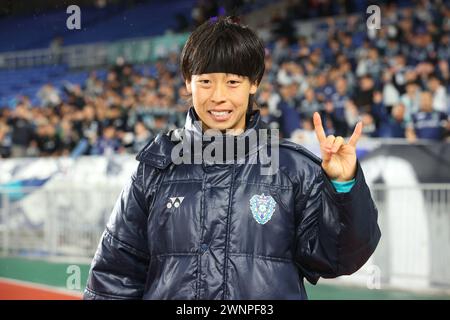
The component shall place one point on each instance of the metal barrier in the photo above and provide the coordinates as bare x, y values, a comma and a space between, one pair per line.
134, 50
88, 55
52, 222
413, 251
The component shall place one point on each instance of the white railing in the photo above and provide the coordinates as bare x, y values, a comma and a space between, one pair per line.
86, 55
68, 222
414, 250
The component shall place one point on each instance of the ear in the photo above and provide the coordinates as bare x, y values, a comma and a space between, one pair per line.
253, 88
188, 86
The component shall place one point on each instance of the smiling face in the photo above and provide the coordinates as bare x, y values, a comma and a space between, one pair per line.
222, 64
221, 99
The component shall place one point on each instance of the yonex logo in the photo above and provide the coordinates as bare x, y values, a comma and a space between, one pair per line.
174, 202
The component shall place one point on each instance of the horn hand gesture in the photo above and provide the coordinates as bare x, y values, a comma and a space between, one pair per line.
338, 157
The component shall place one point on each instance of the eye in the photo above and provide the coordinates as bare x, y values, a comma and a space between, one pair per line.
234, 82
204, 81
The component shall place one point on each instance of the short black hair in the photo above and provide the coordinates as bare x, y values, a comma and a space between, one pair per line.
434, 76
223, 44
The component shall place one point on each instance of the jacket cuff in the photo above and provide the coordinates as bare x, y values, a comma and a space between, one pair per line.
344, 197
343, 186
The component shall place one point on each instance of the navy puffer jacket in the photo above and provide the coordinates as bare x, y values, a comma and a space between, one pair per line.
224, 231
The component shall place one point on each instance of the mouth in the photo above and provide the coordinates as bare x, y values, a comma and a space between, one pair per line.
220, 116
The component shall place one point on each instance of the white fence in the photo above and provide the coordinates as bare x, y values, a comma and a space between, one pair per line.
75, 56
414, 251
74, 219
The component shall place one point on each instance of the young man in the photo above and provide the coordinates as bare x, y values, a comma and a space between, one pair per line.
428, 123
224, 230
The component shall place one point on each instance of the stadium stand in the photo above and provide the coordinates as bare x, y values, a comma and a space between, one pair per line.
396, 82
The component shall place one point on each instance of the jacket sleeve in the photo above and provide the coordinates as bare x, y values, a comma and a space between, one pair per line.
337, 232
119, 267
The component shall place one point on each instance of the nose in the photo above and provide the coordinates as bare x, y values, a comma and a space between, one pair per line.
218, 95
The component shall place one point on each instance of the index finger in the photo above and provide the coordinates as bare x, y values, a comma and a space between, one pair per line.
318, 128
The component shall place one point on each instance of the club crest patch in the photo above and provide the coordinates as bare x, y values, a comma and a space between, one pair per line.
262, 207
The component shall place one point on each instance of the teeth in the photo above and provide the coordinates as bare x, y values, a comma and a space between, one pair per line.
220, 113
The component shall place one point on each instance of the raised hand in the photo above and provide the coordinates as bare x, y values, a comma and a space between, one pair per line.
338, 157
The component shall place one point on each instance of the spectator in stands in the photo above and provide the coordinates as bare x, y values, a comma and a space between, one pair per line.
333, 124
390, 93
49, 96
443, 51
440, 102
75, 96
399, 69
141, 136
290, 71
309, 104
411, 99
25, 101
370, 128
107, 144
304, 49
347, 49
322, 89
443, 72
394, 125
331, 50
428, 123
67, 137
306, 134
352, 114
338, 101
281, 50
378, 112
267, 117
345, 69
268, 95
47, 140
94, 86
290, 118
370, 65
270, 72
22, 131
363, 96
421, 47
392, 48
5, 140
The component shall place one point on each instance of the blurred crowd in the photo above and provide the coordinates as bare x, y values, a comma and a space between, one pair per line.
118, 114
394, 79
